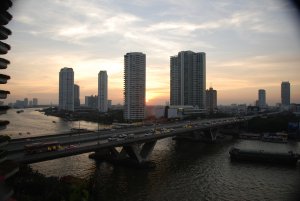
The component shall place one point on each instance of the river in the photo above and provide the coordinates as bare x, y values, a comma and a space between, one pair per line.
189, 171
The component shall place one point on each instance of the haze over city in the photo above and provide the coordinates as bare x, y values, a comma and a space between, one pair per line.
248, 45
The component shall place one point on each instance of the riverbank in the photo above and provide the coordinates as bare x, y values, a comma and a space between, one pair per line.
30, 185
86, 115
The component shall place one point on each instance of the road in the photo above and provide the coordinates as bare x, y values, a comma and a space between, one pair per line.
91, 141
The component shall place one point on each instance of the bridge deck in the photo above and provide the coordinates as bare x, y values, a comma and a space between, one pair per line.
93, 141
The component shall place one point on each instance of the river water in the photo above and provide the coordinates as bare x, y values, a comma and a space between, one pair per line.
189, 171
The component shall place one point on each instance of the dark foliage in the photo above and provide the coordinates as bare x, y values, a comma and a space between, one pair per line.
276, 123
30, 185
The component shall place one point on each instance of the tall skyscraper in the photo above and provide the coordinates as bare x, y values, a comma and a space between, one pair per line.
102, 91
262, 98
188, 79
134, 85
285, 93
211, 100
76, 95
66, 89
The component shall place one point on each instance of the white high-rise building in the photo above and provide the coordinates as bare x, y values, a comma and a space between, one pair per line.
262, 98
102, 91
66, 89
188, 79
134, 85
285, 94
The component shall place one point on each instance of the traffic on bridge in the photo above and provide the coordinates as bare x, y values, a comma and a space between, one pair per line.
37, 149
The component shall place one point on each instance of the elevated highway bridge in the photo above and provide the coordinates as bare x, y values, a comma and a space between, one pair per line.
136, 143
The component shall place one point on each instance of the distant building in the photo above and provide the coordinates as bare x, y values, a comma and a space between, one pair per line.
34, 102
91, 101
295, 108
252, 110
183, 111
262, 98
25, 102
211, 100
134, 85
66, 89
109, 103
188, 79
19, 104
117, 107
76, 95
30, 103
233, 109
285, 94
102, 91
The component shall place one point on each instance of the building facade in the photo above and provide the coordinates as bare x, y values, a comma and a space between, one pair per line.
188, 79
76, 95
134, 86
7, 167
211, 100
285, 94
102, 91
262, 98
34, 102
91, 101
66, 89
26, 102
109, 104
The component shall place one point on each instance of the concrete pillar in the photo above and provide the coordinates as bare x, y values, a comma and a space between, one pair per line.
138, 153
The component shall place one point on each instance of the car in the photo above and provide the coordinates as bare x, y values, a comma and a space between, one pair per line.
112, 139
130, 136
122, 136
70, 147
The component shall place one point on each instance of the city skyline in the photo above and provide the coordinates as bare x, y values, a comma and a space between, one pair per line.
249, 46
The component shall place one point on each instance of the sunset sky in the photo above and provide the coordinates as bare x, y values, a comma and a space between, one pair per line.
249, 45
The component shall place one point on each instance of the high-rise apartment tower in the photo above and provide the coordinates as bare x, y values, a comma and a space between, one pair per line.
285, 93
76, 95
188, 79
211, 100
66, 89
262, 98
134, 86
102, 91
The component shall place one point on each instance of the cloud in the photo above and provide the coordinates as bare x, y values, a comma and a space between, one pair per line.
248, 44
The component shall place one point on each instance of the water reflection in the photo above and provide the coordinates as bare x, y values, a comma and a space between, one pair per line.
185, 170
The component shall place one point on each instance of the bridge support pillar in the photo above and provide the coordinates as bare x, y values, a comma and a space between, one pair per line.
233, 130
137, 155
211, 134
208, 135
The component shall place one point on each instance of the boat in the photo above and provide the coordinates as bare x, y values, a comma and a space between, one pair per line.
286, 158
278, 137
20, 111
53, 121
